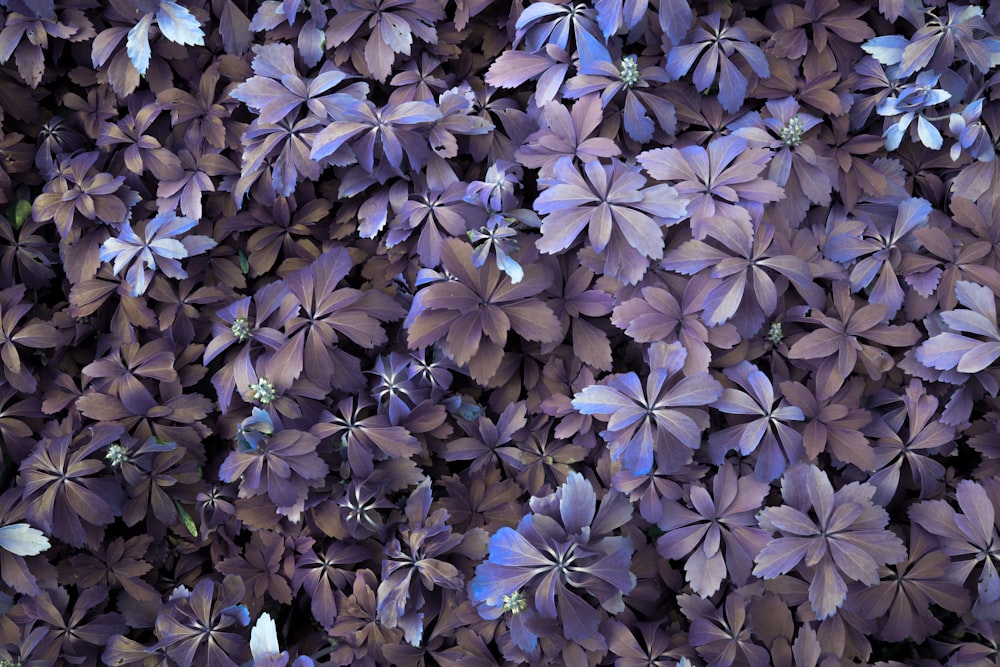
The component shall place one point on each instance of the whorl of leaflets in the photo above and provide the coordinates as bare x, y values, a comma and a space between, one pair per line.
415, 562
712, 43
869, 248
622, 216
768, 436
961, 353
201, 626
722, 183
471, 315
828, 537
155, 248
284, 464
564, 545
663, 418
695, 530
969, 538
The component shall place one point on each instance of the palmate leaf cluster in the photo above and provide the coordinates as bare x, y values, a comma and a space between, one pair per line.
455, 332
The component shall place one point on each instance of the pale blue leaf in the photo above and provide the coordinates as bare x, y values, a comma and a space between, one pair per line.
929, 135
887, 49
894, 133
609, 16
21, 539
590, 49
179, 25
137, 44
510, 548
598, 399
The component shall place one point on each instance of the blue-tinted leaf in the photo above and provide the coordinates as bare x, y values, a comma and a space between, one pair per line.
601, 400
894, 133
732, 86
919, 51
178, 24
638, 125
754, 56
137, 44
492, 581
928, 133
21, 539
508, 547
332, 137
609, 16
675, 19
977, 297
239, 613
590, 49
522, 635
887, 49
638, 451
700, 389
945, 351
535, 11
681, 58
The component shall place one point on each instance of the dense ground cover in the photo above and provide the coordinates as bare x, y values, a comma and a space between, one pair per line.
466, 333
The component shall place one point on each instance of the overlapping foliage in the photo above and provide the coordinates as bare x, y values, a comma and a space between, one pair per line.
456, 332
